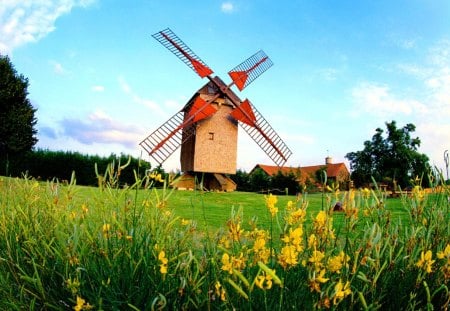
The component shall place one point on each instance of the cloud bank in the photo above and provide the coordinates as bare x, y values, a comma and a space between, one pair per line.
28, 21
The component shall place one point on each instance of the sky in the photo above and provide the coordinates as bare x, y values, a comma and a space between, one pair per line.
101, 83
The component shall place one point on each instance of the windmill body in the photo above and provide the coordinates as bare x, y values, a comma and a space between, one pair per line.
206, 128
213, 148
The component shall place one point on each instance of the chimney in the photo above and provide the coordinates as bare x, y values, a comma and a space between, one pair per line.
328, 160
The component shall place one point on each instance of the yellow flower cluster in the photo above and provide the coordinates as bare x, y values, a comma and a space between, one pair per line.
445, 255
82, 305
271, 201
264, 280
164, 262
341, 291
233, 262
234, 229
295, 216
426, 261
336, 263
316, 279
260, 250
293, 246
220, 291
156, 177
323, 226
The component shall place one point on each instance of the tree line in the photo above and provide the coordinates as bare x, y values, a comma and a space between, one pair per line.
49, 165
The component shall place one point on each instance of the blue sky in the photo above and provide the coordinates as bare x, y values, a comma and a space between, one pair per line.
101, 83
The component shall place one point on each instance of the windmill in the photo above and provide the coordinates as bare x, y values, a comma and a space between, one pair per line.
206, 128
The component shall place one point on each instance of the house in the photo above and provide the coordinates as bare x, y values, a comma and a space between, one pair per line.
336, 172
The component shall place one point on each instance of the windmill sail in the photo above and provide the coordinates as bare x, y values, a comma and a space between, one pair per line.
250, 69
165, 140
261, 132
168, 137
174, 44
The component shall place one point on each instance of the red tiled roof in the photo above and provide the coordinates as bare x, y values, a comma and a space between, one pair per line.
333, 169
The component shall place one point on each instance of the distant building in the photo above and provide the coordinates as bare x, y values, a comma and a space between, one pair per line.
336, 172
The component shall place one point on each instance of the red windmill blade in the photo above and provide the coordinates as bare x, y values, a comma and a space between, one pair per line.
250, 69
174, 44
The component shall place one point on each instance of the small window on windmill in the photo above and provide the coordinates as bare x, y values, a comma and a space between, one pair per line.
211, 136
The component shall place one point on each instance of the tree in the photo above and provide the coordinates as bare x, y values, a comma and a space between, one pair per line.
242, 180
394, 157
285, 181
17, 120
259, 181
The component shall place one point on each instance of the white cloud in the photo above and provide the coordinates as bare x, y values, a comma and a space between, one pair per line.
100, 128
98, 88
373, 99
58, 68
28, 21
152, 105
227, 7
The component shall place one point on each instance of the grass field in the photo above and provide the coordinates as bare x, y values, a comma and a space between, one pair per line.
108, 248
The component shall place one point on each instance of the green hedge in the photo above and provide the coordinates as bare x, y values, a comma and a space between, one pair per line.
48, 165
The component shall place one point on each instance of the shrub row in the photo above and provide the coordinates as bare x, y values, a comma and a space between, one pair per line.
48, 165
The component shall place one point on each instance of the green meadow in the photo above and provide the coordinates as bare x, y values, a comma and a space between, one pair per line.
68, 247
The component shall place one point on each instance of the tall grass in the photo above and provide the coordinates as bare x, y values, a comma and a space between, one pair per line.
120, 249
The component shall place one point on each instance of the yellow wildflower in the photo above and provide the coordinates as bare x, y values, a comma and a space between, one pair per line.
82, 305
230, 263
156, 177
234, 230
185, 222
290, 205
220, 291
264, 281
341, 291
294, 238
72, 215
316, 259
365, 192
320, 220
418, 193
238, 262
296, 216
271, 201
316, 280
84, 209
336, 263
226, 263
262, 253
426, 261
323, 225
164, 261
312, 241
225, 242
288, 256
106, 230
445, 253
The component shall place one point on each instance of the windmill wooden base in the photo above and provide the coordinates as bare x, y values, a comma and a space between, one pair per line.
205, 181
